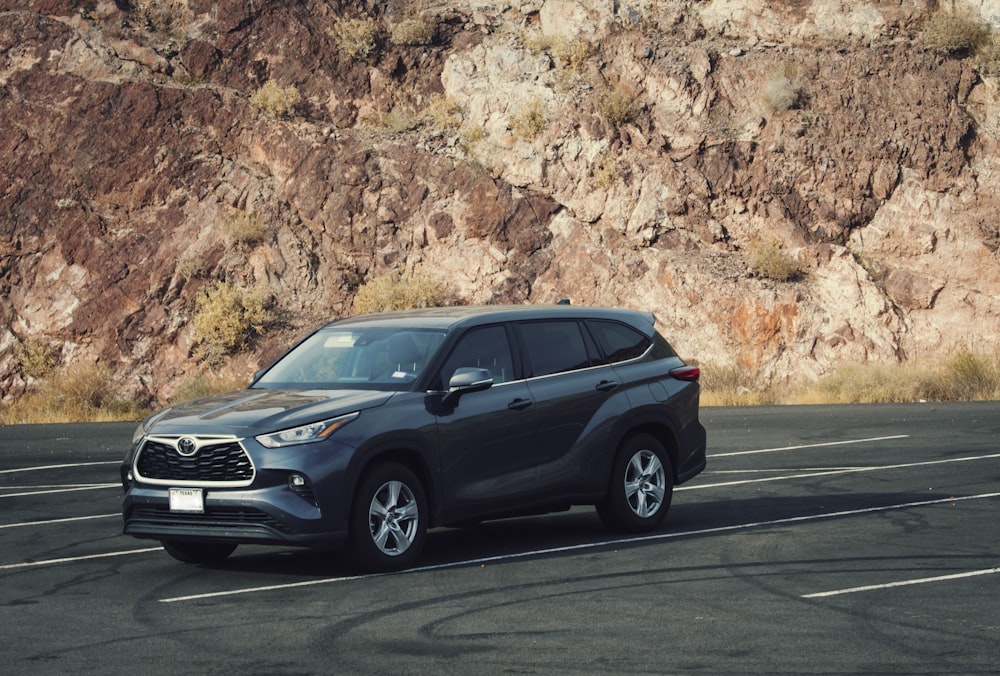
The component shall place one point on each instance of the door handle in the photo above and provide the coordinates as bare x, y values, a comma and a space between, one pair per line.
606, 385
519, 404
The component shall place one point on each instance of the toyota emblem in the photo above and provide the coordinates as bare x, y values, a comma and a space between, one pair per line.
187, 446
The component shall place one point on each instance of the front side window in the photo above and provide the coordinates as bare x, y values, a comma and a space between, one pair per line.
487, 348
554, 347
355, 358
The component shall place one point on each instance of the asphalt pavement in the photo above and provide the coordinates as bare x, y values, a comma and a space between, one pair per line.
842, 539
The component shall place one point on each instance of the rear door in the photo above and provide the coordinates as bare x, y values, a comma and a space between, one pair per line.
576, 401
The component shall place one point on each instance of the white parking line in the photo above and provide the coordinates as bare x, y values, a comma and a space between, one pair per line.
903, 583
845, 442
66, 520
593, 545
44, 467
838, 471
75, 559
91, 487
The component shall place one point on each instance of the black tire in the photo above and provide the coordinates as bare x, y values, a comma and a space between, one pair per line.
198, 552
388, 520
640, 488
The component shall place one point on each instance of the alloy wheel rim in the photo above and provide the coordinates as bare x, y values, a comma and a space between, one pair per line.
393, 518
645, 484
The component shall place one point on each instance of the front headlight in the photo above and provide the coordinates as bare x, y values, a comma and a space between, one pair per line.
306, 434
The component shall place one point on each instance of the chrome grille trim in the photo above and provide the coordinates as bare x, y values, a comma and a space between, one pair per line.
220, 461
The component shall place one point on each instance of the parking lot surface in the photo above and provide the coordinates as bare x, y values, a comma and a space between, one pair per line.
848, 539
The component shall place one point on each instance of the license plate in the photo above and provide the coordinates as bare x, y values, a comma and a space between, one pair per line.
187, 500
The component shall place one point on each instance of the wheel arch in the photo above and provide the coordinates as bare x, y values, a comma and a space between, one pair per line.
411, 458
662, 432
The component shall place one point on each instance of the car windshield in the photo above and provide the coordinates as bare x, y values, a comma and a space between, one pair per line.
355, 358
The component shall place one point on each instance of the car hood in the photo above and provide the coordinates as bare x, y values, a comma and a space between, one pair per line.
255, 411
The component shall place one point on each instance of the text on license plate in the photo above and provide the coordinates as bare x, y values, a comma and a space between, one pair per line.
187, 500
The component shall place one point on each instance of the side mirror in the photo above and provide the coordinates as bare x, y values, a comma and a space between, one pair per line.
467, 379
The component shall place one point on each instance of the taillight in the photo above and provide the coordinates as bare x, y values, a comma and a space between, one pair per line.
688, 373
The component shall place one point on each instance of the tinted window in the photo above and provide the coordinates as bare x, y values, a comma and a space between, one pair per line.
487, 348
618, 341
554, 347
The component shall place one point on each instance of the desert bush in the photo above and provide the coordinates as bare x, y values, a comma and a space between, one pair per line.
768, 259
528, 121
443, 111
276, 101
731, 385
202, 384
227, 318
244, 228
191, 265
605, 171
413, 32
568, 53
400, 291
79, 392
355, 38
616, 106
954, 31
784, 90
36, 357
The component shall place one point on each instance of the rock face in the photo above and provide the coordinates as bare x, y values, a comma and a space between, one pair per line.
630, 154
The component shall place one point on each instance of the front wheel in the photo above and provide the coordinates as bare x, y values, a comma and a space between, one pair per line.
198, 552
388, 520
641, 486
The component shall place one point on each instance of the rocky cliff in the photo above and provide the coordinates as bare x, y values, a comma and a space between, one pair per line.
658, 155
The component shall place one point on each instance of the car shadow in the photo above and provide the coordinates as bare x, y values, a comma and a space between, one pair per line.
568, 533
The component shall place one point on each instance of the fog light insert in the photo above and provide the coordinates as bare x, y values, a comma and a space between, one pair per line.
300, 486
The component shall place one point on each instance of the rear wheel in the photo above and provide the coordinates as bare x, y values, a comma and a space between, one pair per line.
641, 486
388, 519
198, 552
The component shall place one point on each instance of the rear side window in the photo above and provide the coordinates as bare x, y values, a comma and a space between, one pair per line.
554, 347
618, 341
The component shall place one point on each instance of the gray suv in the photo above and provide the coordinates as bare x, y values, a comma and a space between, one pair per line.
375, 428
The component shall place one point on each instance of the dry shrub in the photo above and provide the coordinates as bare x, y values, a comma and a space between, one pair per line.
768, 259
244, 228
413, 32
228, 318
443, 112
616, 106
784, 89
528, 121
276, 101
79, 392
605, 171
954, 31
355, 38
400, 291
731, 385
201, 384
36, 357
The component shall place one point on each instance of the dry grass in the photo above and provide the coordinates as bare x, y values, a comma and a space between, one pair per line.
227, 318
204, 384
355, 38
966, 376
954, 31
528, 121
400, 291
276, 101
617, 106
768, 259
80, 392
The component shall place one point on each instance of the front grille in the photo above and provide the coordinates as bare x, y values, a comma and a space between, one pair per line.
220, 463
214, 518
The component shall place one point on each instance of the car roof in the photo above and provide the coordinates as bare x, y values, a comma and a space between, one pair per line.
471, 315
